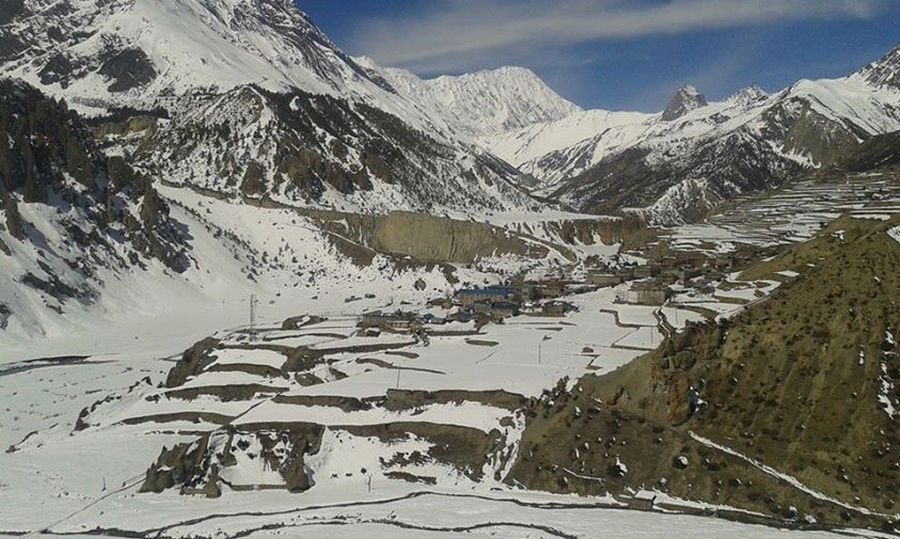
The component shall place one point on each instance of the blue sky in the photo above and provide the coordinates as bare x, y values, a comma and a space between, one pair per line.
620, 54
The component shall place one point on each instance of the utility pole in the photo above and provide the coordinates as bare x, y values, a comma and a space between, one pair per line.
540, 343
398, 376
252, 314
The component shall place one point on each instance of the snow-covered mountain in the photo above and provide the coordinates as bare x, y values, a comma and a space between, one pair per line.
481, 104
129, 51
319, 151
685, 100
669, 166
216, 70
675, 165
244, 103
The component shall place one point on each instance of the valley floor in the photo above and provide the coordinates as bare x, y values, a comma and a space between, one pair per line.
72, 482
59, 478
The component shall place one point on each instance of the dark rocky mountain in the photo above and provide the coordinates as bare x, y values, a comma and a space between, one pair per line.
316, 150
885, 72
879, 153
686, 99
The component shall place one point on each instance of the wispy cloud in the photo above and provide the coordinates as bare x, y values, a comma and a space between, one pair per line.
459, 34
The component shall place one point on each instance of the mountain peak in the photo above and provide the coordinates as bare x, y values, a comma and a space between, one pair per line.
686, 99
486, 102
884, 72
748, 95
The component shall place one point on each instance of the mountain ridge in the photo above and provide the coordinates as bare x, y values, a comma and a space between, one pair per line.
483, 103
795, 130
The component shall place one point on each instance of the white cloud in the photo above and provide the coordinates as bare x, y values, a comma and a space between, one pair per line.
456, 34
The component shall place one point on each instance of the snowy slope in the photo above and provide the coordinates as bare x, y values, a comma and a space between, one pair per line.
189, 44
526, 147
185, 45
140, 53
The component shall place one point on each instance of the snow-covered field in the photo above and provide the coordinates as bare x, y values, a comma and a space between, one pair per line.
76, 483
72, 481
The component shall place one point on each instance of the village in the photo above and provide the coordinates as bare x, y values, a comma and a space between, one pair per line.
653, 283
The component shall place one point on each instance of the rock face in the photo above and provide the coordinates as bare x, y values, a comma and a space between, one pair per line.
881, 153
315, 150
782, 384
685, 100
442, 240
885, 73
128, 69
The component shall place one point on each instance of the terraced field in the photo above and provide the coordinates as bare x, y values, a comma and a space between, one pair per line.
793, 213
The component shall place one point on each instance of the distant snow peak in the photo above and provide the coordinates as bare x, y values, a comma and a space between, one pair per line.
748, 95
686, 99
484, 103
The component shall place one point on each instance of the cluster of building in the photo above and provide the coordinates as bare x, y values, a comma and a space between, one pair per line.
651, 284
536, 298
653, 281
471, 308
422, 324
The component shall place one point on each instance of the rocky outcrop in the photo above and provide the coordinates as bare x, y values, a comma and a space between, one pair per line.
203, 466
885, 72
444, 240
14, 223
427, 238
194, 361
128, 69
5, 314
877, 154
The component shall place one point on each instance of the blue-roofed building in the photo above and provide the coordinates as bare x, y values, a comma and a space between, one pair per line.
470, 296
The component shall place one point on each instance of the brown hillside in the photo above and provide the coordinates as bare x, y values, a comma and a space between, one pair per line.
793, 382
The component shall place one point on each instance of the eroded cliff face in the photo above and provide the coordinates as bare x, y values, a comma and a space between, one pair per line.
439, 239
432, 239
428, 238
